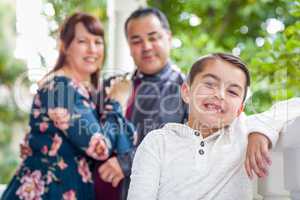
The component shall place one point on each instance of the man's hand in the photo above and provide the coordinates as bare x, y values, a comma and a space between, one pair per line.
257, 157
111, 172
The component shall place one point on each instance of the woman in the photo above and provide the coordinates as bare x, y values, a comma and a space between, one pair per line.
62, 154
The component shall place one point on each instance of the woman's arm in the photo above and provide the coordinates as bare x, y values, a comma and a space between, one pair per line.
82, 128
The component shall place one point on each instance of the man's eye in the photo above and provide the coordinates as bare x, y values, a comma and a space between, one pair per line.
153, 39
135, 42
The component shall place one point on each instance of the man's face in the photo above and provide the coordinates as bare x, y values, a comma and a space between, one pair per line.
149, 43
216, 95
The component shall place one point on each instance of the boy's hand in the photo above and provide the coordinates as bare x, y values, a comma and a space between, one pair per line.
257, 157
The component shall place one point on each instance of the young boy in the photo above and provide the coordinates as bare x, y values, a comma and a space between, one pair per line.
204, 158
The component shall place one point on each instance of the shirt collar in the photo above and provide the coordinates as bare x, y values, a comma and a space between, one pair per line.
161, 75
183, 130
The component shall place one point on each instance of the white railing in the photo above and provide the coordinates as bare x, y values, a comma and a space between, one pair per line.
283, 182
2, 188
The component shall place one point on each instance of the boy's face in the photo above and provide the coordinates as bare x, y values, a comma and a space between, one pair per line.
215, 97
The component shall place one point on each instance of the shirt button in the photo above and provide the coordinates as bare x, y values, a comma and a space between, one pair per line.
201, 152
196, 133
202, 143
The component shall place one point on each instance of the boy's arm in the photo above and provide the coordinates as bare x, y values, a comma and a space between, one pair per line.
272, 121
146, 168
263, 132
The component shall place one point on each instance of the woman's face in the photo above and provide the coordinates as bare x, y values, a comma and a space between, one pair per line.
85, 53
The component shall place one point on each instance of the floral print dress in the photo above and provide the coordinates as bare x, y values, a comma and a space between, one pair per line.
61, 161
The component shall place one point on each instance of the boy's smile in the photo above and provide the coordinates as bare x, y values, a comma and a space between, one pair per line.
213, 107
216, 95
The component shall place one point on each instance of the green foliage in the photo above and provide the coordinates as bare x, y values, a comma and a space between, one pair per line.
10, 68
65, 8
276, 67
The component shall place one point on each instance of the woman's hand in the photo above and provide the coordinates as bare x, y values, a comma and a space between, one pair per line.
97, 148
120, 90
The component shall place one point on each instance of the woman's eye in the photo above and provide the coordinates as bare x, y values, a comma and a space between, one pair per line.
99, 42
81, 41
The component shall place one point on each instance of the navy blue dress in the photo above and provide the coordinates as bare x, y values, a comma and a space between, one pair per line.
61, 163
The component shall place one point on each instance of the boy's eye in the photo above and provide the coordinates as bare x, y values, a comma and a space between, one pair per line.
234, 93
209, 84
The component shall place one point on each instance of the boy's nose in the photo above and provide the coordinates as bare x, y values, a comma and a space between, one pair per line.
221, 93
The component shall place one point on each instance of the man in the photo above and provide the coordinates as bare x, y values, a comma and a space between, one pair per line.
156, 97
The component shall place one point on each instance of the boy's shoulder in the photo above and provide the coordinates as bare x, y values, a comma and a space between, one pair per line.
169, 130
156, 134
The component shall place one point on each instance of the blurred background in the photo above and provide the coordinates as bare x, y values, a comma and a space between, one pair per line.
265, 33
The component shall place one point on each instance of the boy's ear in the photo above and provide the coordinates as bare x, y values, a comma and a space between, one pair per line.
241, 109
185, 90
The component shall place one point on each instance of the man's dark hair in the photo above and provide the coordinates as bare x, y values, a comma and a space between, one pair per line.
201, 63
143, 12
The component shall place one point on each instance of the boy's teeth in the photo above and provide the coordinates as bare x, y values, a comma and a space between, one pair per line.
213, 107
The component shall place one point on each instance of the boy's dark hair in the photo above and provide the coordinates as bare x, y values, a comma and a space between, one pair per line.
142, 12
201, 63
